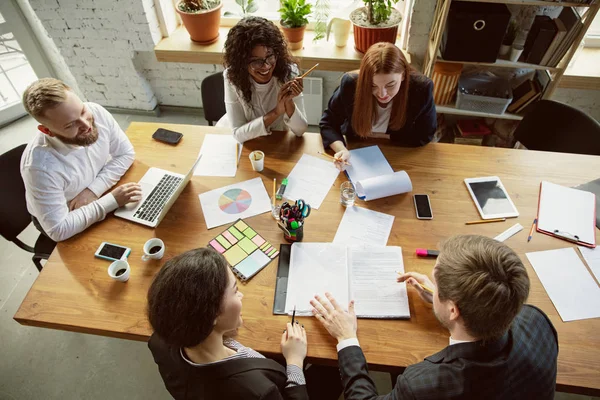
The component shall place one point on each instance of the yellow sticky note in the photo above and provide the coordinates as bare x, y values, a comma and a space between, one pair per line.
234, 255
241, 225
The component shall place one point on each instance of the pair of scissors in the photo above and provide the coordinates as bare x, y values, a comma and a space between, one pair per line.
285, 213
303, 208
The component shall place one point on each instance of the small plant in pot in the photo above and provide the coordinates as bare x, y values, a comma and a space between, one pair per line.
293, 21
377, 22
509, 38
201, 18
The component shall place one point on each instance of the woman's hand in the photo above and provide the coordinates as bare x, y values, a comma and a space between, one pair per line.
341, 158
295, 87
294, 344
417, 281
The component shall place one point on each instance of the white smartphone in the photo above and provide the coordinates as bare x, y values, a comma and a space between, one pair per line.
422, 206
112, 252
491, 198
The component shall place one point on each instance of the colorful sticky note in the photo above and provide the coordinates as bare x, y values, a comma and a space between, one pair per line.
249, 232
274, 254
236, 233
230, 237
258, 240
234, 255
260, 258
223, 241
247, 245
267, 249
217, 246
265, 244
241, 225
248, 267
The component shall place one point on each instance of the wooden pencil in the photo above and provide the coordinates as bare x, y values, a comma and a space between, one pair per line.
485, 221
332, 157
309, 71
274, 191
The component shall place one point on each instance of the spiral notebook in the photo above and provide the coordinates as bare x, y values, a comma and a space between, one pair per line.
567, 213
366, 274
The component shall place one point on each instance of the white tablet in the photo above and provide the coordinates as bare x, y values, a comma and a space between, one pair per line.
491, 198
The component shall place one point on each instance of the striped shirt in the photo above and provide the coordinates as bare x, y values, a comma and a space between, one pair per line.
294, 373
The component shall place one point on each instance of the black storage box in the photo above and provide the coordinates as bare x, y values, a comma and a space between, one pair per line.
474, 31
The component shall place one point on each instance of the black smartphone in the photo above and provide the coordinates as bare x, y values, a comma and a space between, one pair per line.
167, 136
423, 206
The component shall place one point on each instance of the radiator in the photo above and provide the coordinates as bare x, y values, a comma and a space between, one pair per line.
313, 99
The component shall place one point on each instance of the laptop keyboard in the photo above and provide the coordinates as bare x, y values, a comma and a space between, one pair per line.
155, 202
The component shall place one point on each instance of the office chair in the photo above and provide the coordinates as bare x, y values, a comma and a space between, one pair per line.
213, 97
14, 217
552, 126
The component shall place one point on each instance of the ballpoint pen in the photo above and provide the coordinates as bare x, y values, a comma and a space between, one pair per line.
293, 315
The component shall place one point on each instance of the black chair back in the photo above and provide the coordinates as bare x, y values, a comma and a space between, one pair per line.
14, 217
213, 97
552, 126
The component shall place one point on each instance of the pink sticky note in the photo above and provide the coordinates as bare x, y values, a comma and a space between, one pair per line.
232, 239
217, 246
258, 240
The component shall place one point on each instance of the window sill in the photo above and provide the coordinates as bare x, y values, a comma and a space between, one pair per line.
179, 48
585, 73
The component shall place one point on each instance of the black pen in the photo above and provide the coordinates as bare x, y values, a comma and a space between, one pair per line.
293, 315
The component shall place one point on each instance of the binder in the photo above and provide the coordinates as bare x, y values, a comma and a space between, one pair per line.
567, 213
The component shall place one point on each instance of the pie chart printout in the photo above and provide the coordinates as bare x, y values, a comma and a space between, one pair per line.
235, 201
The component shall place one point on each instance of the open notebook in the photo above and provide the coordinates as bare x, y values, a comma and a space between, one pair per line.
366, 274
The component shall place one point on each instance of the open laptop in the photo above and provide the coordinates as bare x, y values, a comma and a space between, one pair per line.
160, 189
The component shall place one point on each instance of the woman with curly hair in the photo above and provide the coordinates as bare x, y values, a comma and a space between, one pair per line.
387, 99
262, 92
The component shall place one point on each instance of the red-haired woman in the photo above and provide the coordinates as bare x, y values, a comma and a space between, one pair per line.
386, 99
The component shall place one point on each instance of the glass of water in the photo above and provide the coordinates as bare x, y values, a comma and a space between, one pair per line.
347, 194
275, 208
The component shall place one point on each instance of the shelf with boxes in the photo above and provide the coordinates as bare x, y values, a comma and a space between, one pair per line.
475, 36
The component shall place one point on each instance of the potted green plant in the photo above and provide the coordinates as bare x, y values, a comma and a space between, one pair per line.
247, 6
293, 21
201, 18
377, 21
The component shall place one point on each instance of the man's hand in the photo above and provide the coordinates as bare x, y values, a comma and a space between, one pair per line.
339, 323
82, 199
294, 344
417, 280
127, 193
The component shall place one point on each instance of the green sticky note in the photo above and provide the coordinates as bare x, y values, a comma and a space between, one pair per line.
273, 250
223, 241
247, 245
234, 255
236, 233
250, 232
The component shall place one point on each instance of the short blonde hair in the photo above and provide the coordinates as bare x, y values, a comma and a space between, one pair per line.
485, 279
44, 94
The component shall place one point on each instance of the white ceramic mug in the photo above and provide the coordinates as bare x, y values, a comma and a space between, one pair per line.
156, 255
115, 270
257, 159
341, 30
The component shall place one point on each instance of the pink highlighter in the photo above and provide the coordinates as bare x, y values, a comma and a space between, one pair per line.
427, 253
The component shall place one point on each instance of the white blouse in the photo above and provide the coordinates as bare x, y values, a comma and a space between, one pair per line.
247, 119
380, 125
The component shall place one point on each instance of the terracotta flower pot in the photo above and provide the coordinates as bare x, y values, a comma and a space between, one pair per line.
294, 36
365, 37
203, 27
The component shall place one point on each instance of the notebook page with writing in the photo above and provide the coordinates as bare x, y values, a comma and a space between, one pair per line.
566, 210
316, 268
373, 271
366, 163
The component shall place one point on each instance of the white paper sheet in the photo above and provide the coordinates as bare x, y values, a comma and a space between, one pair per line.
362, 226
316, 268
592, 258
373, 272
384, 186
310, 180
238, 200
219, 156
570, 211
571, 288
366, 163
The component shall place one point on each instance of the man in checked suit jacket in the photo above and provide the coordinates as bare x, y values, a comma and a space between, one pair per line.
499, 348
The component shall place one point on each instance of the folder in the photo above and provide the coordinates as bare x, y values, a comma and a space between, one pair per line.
567, 213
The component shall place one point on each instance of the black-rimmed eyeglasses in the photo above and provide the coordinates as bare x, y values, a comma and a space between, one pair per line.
258, 63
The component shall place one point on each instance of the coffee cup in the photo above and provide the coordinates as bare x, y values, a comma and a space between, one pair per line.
154, 249
257, 159
119, 270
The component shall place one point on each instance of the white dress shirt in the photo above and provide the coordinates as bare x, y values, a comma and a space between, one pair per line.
54, 173
354, 342
247, 119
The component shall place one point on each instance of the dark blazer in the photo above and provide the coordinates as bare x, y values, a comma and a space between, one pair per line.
247, 378
520, 365
420, 123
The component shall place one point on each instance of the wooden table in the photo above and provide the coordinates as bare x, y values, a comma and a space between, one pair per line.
74, 292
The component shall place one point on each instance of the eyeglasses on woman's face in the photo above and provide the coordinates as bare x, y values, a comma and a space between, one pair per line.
258, 63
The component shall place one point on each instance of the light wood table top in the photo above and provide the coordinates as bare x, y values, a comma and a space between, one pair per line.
74, 292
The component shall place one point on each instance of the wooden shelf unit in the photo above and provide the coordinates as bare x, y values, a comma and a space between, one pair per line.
433, 54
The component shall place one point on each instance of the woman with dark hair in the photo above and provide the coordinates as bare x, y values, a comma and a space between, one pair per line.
386, 99
262, 91
194, 306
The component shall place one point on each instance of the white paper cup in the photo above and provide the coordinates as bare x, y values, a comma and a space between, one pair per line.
116, 267
257, 159
151, 244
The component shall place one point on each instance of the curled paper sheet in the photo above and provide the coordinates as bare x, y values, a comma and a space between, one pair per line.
384, 186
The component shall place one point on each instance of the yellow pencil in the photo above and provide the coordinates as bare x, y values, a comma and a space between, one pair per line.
332, 157
237, 151
274, 190
425, 288
309, 71
485, 221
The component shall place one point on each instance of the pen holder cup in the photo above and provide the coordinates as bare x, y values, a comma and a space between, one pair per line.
296, 235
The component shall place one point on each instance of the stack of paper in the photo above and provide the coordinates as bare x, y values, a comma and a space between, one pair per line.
310, 180
220, 155
361, 226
